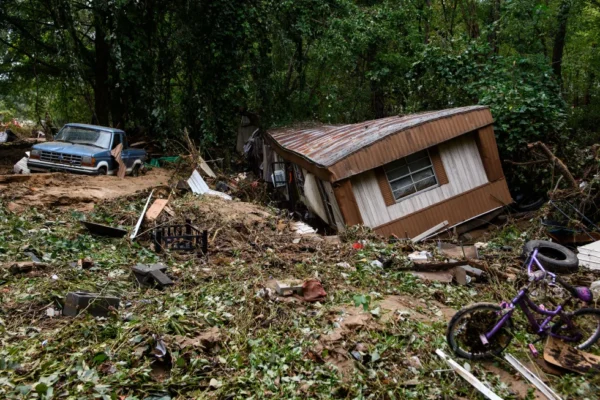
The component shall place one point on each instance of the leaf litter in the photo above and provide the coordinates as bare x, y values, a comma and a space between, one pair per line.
221, 331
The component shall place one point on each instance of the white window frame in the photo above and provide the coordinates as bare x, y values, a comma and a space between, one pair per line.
410, 174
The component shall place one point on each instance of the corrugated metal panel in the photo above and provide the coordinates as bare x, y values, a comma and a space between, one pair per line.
350, 149
455, 210
405, 143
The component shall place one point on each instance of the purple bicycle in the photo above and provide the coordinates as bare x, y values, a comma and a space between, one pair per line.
484, 330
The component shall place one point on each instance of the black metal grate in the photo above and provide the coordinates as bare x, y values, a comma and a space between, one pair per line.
184, 237
60, 158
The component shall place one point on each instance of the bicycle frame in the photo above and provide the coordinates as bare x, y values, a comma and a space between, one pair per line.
528, 307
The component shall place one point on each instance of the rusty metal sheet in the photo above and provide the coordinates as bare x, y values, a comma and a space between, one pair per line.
327, 145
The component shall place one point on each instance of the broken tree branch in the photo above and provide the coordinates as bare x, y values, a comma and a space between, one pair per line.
511, 162
556, 161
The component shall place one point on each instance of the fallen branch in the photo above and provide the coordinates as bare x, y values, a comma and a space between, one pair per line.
511, 162
556, 161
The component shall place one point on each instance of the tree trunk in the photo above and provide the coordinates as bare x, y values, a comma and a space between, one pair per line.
494, 18
469, 11
377, 95
559, 39
102, 51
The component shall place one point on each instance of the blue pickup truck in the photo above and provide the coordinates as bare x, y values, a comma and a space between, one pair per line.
85, 149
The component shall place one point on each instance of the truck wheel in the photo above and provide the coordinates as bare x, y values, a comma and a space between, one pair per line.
136, 170
553, 256
102, 171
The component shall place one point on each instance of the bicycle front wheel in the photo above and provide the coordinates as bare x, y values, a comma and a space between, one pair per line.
469, 324
586, 329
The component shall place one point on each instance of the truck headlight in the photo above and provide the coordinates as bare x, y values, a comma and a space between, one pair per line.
35, 154
88, 161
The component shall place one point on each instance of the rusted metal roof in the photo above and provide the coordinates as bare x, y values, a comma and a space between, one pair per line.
335, 152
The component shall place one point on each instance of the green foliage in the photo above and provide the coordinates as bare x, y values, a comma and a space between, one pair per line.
158, 67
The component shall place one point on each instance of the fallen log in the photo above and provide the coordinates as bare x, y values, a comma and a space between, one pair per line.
564, 170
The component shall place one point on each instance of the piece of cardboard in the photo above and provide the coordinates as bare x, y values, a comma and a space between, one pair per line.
564, 355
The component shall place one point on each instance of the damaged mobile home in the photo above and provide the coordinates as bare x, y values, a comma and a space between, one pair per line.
397, 175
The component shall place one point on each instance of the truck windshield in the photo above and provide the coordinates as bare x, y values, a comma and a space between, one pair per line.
73, 134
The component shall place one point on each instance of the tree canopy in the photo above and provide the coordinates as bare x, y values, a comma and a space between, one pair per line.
162, 66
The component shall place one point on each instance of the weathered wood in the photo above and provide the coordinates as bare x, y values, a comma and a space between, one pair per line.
156, 209
429, 232
205, 168
557, 161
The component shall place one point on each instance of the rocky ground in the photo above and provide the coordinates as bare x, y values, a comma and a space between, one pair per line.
221, 331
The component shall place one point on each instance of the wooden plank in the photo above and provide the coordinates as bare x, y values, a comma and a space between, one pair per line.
156, 209
469, 377
429, 232
204, 167
116, 153
533, 378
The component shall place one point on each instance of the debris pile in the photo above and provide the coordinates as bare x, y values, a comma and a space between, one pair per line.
238, 302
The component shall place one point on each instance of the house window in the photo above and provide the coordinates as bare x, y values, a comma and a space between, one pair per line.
410, 174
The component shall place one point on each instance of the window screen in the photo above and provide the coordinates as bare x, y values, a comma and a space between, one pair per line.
410, 174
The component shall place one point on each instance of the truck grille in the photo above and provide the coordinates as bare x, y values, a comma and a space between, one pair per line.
60, 158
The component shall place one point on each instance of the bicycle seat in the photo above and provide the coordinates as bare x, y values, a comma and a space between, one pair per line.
580, 292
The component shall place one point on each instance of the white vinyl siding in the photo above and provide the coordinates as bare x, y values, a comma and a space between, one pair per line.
463, 166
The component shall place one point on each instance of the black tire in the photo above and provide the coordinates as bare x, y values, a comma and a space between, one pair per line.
530, 204
553, 256
469, 346
102, 171
589, 327
136, 170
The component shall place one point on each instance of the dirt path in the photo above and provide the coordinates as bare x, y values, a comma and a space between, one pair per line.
73, 191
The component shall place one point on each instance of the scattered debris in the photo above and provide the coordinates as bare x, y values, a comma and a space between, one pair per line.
419, 256
533, 378
458, 252
301, 228
429, 232
152, 275
156, 209
566, 356
204, 167
469, 377
589, 255
85, 263
104, 230
312, 290
20, 167
139, 223
95, 304
116, 153
25, 266
289, 287
199, 186
180, 237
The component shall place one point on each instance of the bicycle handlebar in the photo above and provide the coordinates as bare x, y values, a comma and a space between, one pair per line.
543, 274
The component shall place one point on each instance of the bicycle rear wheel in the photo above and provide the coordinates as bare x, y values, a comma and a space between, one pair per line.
467, 326
587, 326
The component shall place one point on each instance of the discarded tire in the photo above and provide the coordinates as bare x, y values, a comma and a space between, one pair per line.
553, 256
